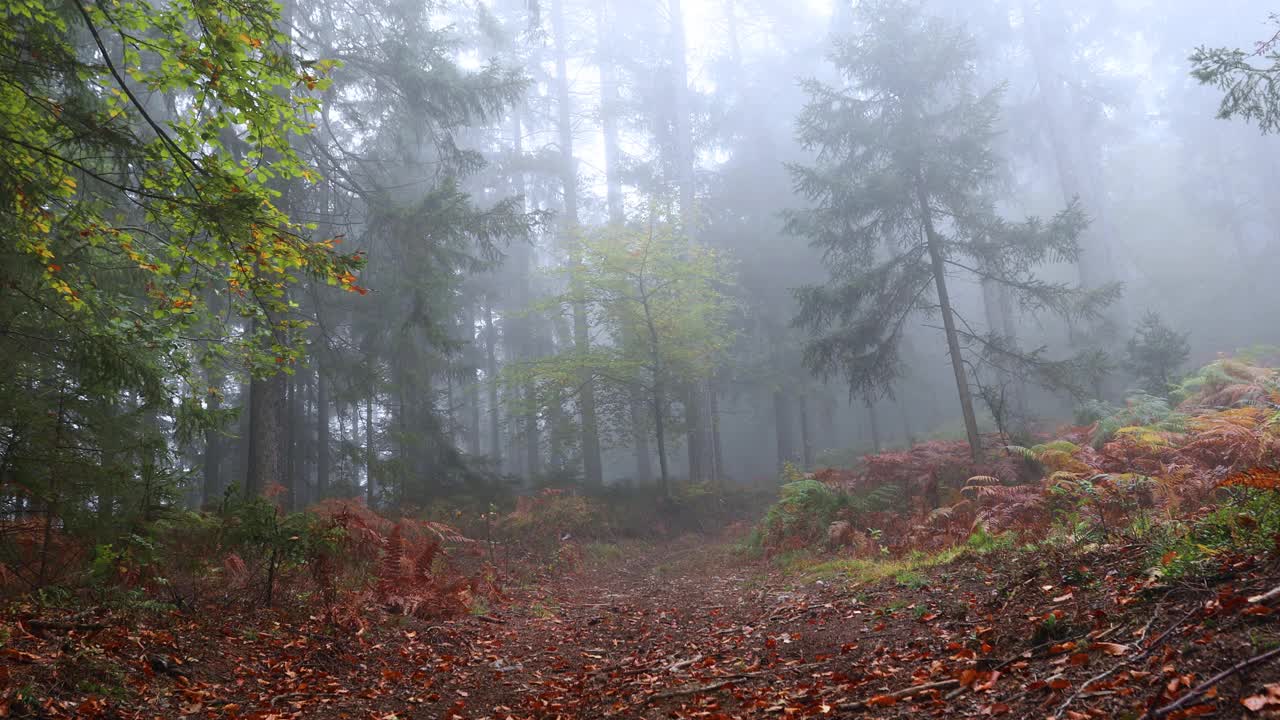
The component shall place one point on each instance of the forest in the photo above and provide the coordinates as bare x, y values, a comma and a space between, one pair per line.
560, 359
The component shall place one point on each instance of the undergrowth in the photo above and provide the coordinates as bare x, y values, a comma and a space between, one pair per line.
1188, 476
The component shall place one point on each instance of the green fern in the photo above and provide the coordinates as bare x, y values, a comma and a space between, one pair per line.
1140, 410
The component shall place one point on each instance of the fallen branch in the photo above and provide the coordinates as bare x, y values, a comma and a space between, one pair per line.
1207, 685
1079, 691
1268, 595
691, 690
696, 689
901, 694
677, 667
65, 626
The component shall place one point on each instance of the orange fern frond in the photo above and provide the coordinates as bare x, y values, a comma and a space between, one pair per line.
1257, 478
391, 569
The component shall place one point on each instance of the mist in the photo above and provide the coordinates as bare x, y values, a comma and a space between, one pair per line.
367, 308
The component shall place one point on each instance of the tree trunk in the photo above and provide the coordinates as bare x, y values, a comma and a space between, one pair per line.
782, 428
908, 434
475, 444
697, 419
948, 320
616, 205
660, 432
609, 113
1071, 152
520, 338
322, 432
266, 434
717, 457
295, 494
693, 430
370, 453
999, 314
659, 390
806, 439
212, 465
593, 471
873, 422
491, 372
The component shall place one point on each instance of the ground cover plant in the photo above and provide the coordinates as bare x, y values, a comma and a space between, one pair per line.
652, 359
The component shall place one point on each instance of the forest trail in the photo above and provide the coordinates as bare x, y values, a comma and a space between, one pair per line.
687, 628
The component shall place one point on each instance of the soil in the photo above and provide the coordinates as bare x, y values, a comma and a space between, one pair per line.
690, 629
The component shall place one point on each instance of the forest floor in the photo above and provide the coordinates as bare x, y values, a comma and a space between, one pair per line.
689, 628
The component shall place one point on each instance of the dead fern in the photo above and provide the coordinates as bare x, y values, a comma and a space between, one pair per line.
1256, 478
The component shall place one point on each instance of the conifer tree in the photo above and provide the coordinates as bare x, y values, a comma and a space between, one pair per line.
1250, 81
900, 203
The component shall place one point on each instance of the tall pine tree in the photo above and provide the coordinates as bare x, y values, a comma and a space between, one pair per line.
900, 203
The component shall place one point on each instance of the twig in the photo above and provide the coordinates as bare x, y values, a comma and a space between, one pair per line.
1207, 685
675, 667
1079, 691
904, 693
65, 626
692, 690
696, 689
1268, 595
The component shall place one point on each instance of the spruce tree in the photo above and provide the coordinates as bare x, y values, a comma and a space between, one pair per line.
1250, 81
900, 193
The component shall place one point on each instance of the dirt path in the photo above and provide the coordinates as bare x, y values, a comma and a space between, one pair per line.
686, 629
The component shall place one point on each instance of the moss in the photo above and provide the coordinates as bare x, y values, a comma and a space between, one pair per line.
866, 571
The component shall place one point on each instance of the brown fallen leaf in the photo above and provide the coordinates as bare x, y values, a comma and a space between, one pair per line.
1110, 648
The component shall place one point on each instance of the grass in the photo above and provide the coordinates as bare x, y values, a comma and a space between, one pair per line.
905, 570
908, 571
603, 553
544, 610
911, 579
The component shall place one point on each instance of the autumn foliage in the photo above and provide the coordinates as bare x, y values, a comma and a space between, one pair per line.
1144, 457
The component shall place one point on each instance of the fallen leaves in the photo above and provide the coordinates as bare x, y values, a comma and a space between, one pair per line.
1270, 698
699, 643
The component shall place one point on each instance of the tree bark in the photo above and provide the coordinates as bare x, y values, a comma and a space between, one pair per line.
370, 452
806, 438
266, 434
873, 422
696, 417
521, 334
717, 456
491, 373
659, 392
323, 463
617, 207
782, 428
593, 471
213, 450
948, 319
1071, 154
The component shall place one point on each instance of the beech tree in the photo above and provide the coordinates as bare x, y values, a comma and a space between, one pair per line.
660, 305
901, 202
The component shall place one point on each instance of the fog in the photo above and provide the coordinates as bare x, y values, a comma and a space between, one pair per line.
600, 243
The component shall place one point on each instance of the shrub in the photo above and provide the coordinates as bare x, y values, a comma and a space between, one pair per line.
801, 516
540, 523
1247, 522
1155, 352
1140, 410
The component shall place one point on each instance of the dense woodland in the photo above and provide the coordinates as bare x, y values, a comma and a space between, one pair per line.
377, 308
